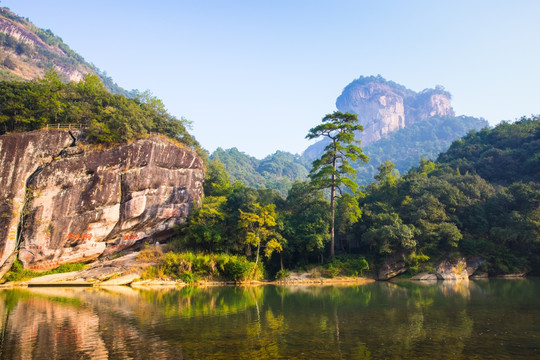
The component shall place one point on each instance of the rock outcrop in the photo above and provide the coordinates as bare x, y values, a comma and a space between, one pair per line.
384, 106
71, 204
458, 269
392, 267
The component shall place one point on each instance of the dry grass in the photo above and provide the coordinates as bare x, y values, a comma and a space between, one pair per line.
150, 254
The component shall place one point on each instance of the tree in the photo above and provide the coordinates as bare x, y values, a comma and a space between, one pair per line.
307, 216
333, 169
259, 226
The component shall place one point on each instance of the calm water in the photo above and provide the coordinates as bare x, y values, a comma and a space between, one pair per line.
495, 319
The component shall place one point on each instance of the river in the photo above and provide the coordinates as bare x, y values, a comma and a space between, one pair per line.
487, 319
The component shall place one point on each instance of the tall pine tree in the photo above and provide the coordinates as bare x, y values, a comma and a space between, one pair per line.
333, 171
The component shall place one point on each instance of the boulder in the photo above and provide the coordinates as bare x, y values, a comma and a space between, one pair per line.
452, 269
392, 267
424, 277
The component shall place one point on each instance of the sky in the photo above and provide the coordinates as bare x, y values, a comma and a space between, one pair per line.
257, 75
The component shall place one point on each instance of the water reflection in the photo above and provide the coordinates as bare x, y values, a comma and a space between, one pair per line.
404, 320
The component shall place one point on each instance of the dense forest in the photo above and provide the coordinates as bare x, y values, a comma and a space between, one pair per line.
108, 118
480, 198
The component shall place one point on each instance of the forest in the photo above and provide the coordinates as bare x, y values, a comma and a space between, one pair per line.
404, 148
479, 198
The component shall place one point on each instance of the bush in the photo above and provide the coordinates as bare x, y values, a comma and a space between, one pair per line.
9, 63
190, 267
282, 274
188, 277
150, 254
346, 266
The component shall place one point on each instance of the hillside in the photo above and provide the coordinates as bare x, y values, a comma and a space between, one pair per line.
480, 198
277, 171
28, 52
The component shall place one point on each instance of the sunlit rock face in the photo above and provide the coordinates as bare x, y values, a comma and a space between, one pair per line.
20, 156
87, 203
383, 107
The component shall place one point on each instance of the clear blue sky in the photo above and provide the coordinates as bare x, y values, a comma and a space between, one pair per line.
257, 75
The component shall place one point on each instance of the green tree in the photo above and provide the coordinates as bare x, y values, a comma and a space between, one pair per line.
205, 226
217, 181
333, 170
260, 229
307, 215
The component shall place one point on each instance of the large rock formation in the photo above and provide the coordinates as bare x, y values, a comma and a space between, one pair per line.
384, 106
72, 204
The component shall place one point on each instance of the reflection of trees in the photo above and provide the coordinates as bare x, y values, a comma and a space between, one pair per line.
405, 320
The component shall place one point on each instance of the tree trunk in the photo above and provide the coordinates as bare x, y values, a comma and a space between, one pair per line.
332, 208
258, 248
281, 260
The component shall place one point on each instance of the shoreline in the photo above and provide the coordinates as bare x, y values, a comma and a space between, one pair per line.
169, 284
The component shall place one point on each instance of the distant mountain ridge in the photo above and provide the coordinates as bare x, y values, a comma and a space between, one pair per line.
27, 52
400, 125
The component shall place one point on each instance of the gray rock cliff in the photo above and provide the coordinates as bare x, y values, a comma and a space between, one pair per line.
384, 107
69, 204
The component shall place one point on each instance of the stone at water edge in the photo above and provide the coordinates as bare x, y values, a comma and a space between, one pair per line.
392, 267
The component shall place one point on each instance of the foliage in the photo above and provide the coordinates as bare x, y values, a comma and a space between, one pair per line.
465, 202
332, 170
346, 266
110, 118
282, 274
190, 267
277, 171
150, 254
306, 224
260, 229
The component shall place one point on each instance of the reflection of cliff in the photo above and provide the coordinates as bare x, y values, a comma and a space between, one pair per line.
60, 324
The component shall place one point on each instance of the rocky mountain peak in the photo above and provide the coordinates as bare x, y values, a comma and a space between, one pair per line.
384, 106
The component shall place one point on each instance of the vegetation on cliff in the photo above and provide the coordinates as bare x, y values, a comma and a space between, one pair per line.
108, 118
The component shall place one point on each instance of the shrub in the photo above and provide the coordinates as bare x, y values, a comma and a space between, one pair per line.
150, 254
190, 267
188, 277
282, 274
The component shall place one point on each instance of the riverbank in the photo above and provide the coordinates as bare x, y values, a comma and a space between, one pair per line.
131, 270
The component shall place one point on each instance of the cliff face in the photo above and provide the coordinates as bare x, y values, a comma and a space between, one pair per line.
82, 204
384, 107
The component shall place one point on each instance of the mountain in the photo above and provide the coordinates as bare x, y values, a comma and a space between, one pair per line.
277, 171
27, 52
400, 125
384, 107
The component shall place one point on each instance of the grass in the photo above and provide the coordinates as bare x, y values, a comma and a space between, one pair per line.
19, 273
191, 267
